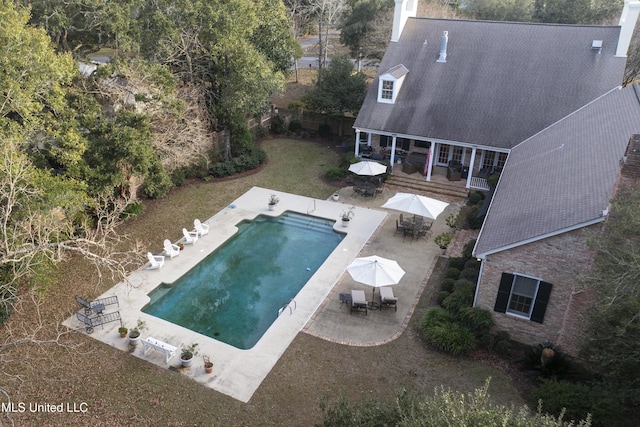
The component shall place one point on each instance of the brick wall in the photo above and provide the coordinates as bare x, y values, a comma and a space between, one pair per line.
631, 165
558, 260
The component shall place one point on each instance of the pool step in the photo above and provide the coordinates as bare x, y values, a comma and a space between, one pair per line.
305, 222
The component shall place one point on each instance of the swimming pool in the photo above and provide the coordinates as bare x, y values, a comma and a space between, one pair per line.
235, 293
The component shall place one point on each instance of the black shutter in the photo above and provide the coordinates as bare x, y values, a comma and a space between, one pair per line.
506, 282
542, 299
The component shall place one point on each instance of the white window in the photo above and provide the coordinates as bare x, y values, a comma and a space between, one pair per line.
387, 90
523, 293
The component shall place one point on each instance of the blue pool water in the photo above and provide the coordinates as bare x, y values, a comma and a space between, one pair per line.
235, 293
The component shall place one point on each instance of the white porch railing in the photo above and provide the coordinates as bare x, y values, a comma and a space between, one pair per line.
479, 183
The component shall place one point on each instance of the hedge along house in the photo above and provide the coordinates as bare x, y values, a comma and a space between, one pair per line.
470, 91
555, 187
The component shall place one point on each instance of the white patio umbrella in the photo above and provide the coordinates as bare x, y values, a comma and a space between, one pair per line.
368, 168
375, 271
417, 205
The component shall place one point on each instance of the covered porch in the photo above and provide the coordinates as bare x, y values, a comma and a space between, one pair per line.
471, 165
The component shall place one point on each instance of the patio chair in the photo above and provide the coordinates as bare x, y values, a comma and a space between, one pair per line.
190, 237
358, 302
170, 249
200, 228
399, 228
155, 261
387, 299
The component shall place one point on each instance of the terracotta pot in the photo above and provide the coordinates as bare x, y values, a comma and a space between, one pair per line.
208, 367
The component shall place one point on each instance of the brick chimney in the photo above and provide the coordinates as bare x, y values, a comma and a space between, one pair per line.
404, 10
627, 23
631, 160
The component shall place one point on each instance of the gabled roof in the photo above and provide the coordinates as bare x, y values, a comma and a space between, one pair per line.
502, 81
563, 177
397, 71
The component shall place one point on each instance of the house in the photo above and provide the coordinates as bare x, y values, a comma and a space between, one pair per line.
542, 105
470, 91
554, 190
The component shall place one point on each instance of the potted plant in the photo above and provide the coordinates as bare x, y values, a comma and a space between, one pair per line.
134, 334
208, 364
181, 245
347, 215
187, 353
442, 240
122, 330
273, 201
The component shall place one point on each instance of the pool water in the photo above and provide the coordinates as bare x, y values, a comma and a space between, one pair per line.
235, 293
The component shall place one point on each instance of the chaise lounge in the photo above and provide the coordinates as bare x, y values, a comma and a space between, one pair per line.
358, 302
98, 305
387, 299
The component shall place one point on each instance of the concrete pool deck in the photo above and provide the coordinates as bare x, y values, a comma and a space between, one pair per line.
316, 310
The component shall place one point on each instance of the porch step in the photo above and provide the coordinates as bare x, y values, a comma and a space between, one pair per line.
428, 186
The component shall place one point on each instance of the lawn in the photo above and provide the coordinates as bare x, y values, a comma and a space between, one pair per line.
122, 390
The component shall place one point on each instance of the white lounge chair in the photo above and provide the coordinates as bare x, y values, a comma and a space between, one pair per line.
190, 237
155, 261
387, 298
170, 249
200, 228
358, 302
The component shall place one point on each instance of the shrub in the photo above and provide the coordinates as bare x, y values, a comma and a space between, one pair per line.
475, 198
477, 319
435, 316
447, 285
179, 176
259, 132
452, 273
450, 337
487, 341
472, 263
295, 125
503, 348
470, 274
457, 262
578, 400
158, 183
463, 285
133, 210
334, 173
278, 124
222, 169
467, 250
555, 366
457, 301
442, 295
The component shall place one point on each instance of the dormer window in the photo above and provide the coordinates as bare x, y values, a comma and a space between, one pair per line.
390, 83
387, 89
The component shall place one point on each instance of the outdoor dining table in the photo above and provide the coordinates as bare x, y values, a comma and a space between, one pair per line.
413, 226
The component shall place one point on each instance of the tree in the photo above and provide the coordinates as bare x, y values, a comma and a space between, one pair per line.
613, 344
576, 11
499, 10
328, 13
338, 90
366, 29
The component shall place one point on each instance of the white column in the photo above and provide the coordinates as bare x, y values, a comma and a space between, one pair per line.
432, 154
392, 157
357, 149
369, 139
471, 162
